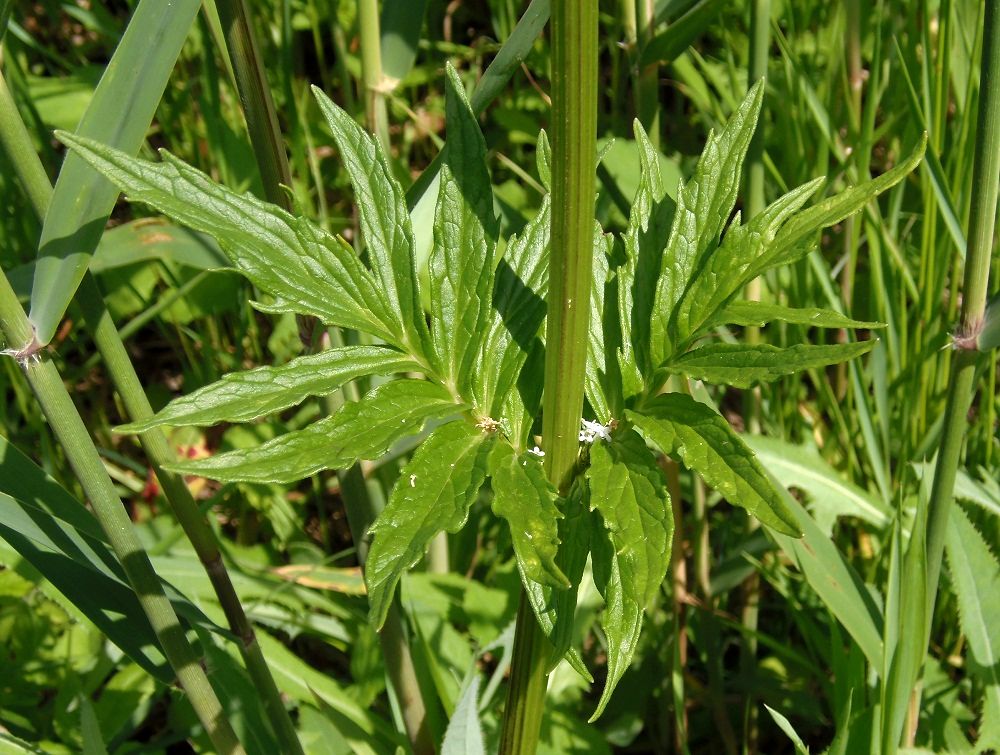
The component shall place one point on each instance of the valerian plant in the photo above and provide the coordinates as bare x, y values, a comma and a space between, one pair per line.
472, 363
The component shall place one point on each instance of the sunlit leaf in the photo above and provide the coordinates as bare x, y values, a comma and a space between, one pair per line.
707, 444
433, 494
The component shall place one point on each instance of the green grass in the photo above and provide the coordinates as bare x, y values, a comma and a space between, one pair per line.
833, 637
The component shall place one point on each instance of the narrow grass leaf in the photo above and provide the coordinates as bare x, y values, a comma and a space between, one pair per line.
833, 579
703, 206
362, 429
464, 735
118, 114
527, 500
759, 313
666, 46
433, 494
304, 268
706, 443
631, 542
830, 495
385, 222
245, 396
786, 726
975, 576
401, 23
465, 239
743, 365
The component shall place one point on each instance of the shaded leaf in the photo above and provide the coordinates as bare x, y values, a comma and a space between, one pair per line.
631, 542
527, 500
362, 429
464, 735
433, 494
706, 443
975, 576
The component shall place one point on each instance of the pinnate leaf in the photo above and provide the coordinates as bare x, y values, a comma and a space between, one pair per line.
631, 542
707, 444
362, 429
527, 500
703, 206
465, 238
742, 365
306, 270
433, 494
244, 396
792, 244
385, 222
721, 275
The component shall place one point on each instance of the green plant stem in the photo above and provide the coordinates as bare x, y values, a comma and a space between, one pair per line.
109, 343
574, 135
371, 69
65, 421
985, 180
760, 43
255, 96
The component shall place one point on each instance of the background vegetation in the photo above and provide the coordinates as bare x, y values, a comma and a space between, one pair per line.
746, 621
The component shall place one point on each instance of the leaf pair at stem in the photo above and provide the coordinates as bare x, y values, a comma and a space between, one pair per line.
659, 291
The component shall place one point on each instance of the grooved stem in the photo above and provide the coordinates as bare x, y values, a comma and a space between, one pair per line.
574, 135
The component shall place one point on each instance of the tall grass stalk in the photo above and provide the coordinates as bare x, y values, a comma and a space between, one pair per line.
985, 179
255, 96
574, 144
376, 113
65, 421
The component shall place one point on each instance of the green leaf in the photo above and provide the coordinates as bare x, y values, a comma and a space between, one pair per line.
666, 46
706, 443
759, 313
118, 114
603, 331
464, 735
631, 546
555, 608
465, 238
830, 495
786, 726
722, 275
385, 222
703, 206
791, 243
362, 429
304, 268
433, 494
527, 500
520, 284
742, 365
649, 223
244, 396
975, 576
